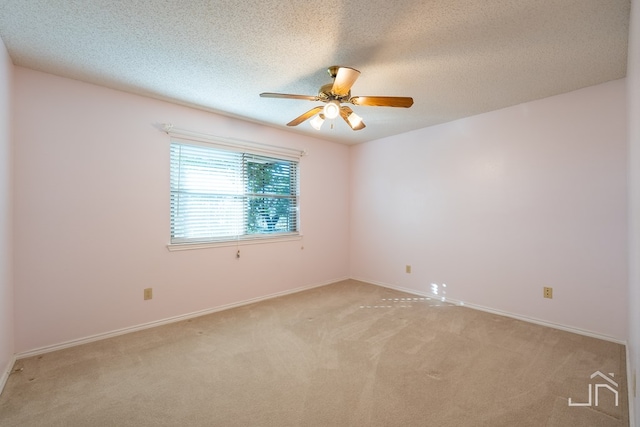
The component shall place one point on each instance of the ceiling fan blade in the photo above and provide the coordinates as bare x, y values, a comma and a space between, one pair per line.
353, 120
305, 116
345, 78
288, 96
382, 101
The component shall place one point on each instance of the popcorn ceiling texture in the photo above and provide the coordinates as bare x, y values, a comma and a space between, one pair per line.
455, 58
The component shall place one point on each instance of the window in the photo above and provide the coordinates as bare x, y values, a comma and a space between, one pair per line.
219, 194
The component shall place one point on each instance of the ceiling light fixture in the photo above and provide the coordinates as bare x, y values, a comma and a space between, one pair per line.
317, 121
331, 110
355, 121
336, 93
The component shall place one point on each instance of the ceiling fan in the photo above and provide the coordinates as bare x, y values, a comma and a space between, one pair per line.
336, 93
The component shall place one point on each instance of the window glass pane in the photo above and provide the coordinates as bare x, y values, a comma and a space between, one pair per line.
224, 195
270, 214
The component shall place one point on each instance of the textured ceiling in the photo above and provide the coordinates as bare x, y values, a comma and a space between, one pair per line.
456, 58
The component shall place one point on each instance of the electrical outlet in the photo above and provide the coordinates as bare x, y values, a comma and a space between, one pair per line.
407, 269
547, 292
148, 293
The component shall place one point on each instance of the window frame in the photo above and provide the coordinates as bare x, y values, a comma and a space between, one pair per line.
181, 136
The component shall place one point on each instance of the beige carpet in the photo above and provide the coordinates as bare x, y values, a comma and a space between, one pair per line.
347, 354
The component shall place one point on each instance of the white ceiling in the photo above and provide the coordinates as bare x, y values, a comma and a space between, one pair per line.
456, 58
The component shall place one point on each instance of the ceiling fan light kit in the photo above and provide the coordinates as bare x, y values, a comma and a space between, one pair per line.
317, 121
355, 121
334, 94
331, 110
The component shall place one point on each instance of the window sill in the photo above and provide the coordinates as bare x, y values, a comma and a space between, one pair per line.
242, 242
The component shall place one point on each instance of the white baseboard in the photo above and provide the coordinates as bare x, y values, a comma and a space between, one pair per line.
631, 379
105, 335
6, 372
499, 312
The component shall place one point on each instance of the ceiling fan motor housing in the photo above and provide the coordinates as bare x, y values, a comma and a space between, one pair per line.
325, 94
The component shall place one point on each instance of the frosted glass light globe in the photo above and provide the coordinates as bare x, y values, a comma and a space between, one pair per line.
331, 110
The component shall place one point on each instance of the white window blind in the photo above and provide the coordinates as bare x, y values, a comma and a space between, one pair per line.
220, 195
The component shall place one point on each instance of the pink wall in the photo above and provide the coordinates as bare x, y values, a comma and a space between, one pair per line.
499, 205
633, 77
6, 191
92, 215
496, 206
